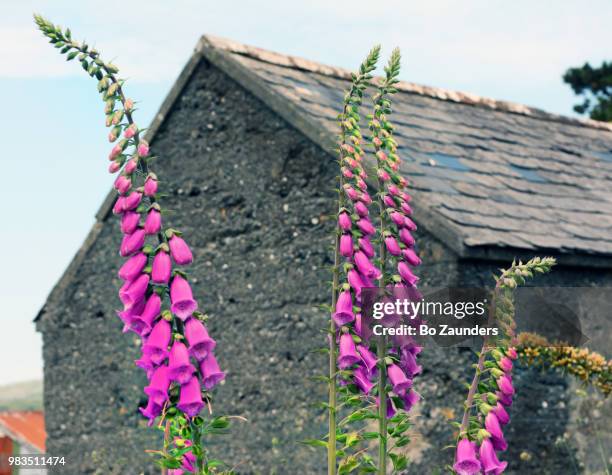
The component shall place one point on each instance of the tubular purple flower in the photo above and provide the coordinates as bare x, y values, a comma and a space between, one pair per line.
346, 245
136, 291
511, 353
344, 221
361, 379
366, 246
130, 166
398, 379
355, 281
143, 149
365, 266
156, 346
129, 222
150, 186
180, 251
389, 201
411, 257
130, 131
181, 297
466, 462
501, 413
505, 364
119, 205
493, 427
410, 224
132, 243
129, 313
406, 274
406, 208
398, 219
146, 364
151, 411
200, 343
114, 167
392, 246
505, 385
409, 364
348, 355
393, 190
410, 399
180, 368
344, 309
133, 267
157, 390
162, 268
211, 373
490, 463
504, 398
122, 184
361, 209
368, 358
365, 226
132, 201
351, 193
153, 222
190, 401
406, 237
143, 323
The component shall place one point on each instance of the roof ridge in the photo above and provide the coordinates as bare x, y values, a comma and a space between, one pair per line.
296, 62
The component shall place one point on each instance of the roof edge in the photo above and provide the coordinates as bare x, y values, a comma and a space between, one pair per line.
279, 59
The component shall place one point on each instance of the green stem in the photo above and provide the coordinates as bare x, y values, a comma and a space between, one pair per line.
382, 347
331, 443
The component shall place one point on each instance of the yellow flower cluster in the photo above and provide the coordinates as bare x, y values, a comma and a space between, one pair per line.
588, 366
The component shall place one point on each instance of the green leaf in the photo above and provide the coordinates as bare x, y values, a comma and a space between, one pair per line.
315, 443
400, 462
71, 55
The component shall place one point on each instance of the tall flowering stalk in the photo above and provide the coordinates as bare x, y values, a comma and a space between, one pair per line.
397, 358
158, 303
491, 391
352, 271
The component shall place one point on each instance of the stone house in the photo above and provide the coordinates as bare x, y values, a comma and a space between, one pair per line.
245, 141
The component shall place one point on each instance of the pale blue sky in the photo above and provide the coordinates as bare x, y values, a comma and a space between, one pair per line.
53, 157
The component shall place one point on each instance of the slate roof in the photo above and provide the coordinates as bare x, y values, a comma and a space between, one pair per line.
488, 175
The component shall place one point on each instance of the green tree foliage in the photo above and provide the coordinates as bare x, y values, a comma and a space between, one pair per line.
595, 85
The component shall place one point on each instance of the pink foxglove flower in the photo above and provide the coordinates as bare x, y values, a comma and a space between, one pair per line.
211, 373
348, 355
392, 246
346, 245
398, 379
162, 268
152, 411
490, 463
362, 380
368, 358
130, 131
132, 200
130, 166
143, 323
200, 343
344, 309
344, 221
122, 184
181, 297
157, 390
143, 149
133, 267
150, 186
406, 274
132, 243
129, 222
466, 462
190, 401
180, 368
156, 344
114, 167
153, 222
136, 291
180, 251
